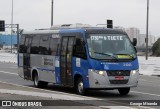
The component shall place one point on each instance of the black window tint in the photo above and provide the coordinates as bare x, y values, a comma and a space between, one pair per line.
27, 43
35, 44
44, 45
21, 44
54, 43
79, 49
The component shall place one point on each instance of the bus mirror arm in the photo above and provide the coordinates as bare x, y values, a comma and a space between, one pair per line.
135, 49
134, 41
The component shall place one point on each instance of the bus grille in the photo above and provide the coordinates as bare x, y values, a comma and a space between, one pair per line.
118, 73
118, 81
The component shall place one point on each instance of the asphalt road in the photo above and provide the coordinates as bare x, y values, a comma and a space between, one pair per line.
148, 88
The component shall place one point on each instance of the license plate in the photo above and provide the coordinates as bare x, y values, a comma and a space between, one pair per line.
119, 78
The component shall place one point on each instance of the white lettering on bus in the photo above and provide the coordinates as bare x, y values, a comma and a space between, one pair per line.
106, 37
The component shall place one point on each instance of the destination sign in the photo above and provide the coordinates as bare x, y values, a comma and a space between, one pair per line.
110, 37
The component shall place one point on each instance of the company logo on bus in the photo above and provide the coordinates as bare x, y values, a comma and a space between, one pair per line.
119, 73
127, 64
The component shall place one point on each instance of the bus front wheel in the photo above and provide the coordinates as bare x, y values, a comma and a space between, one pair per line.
80, 88
37, 83
124, 91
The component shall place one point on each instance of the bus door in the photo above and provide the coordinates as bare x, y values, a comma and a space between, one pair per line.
66, 60
26, 58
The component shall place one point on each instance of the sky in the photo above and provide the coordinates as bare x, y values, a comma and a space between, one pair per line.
35, 14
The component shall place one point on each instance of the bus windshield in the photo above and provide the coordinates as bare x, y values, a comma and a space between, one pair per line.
110, 46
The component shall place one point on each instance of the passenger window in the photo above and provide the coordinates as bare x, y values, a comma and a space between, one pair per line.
79, 49
21, 44
27, 43
44, 45
54, 41
35, 44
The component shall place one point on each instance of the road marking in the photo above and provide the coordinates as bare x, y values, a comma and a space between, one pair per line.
14, 67
148, 82
156, 77
8, 73
145, 93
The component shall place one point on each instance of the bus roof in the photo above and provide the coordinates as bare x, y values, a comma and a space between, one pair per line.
91, 30
40, 32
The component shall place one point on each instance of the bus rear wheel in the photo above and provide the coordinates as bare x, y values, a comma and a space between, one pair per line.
37, 83
80, 88
124, 91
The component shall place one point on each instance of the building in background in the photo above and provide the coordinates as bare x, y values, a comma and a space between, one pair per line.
5, 40
141, 40
133, 33
151, 40
119, 27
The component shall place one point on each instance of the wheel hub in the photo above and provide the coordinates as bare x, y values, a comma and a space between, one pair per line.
80, 87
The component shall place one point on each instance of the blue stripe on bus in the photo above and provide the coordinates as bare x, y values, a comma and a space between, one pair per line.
41, 69
45, 69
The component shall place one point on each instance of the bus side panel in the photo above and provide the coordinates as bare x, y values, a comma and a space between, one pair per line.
80, 66
45, 65
20, 65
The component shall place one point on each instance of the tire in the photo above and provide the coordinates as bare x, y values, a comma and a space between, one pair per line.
37, 83
80, 88
124, 91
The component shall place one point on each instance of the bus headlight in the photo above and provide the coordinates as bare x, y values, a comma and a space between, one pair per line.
134, 72
98, 72
101, 72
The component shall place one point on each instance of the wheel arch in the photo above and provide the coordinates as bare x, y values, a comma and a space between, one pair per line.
76, 77
33, 71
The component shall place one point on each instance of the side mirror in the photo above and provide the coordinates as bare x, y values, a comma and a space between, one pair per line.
135, 49
134, 41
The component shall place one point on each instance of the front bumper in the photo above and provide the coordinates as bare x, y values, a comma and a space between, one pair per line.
103, 81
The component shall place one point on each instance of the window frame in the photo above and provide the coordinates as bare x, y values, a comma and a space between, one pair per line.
83, 54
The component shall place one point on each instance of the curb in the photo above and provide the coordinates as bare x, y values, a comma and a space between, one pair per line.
8, 62
156, 75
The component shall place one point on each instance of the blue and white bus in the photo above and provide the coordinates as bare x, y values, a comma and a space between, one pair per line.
83, 58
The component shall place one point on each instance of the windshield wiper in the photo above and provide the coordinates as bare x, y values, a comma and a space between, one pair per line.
126, 54
107, 55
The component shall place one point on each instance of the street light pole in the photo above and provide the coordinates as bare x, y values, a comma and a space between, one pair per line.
147, 30
11, 25
17, 37
52, 13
